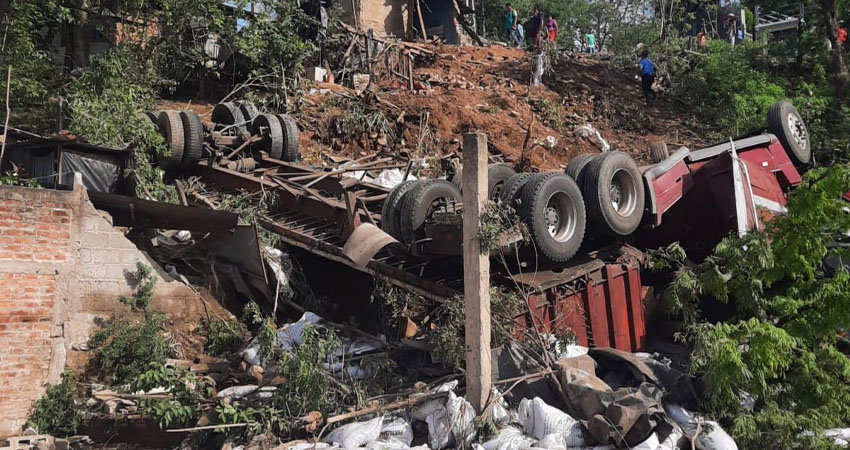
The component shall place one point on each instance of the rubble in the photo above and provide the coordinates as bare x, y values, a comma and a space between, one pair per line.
410, 106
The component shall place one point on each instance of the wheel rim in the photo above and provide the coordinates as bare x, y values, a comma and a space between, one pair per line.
623, 193
560, 217
497, 190
798, 130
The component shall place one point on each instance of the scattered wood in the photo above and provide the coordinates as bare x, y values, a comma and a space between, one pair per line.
377, 409
421, 20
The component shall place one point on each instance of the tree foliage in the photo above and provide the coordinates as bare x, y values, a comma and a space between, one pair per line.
780, 344
57, 413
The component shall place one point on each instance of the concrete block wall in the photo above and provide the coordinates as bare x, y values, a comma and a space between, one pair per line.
62, 267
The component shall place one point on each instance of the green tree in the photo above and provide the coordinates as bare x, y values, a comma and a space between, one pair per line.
779, 345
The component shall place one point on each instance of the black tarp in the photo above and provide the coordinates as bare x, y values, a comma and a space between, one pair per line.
101, 173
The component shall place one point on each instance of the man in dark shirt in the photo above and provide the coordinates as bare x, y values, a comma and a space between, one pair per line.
536, 27
647, 76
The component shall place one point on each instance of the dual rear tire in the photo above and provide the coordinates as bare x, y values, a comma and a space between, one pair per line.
184, 137
411, 203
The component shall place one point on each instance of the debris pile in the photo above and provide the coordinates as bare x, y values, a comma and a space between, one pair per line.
487, 88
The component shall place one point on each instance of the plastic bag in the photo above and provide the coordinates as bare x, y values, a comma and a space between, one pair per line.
391, 177
678, 414
554, 441
713, 437
396, 429
288, 336
509, 438
247, 390
587, 130
312, 446
671, 441
356, 434
449, 421
651, 443
840, 436
387, 445
539, 419
499, 411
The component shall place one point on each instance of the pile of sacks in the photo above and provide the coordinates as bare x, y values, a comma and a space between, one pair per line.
608, 399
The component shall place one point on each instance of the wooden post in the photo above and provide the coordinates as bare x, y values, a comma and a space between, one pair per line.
421, 20
476, 271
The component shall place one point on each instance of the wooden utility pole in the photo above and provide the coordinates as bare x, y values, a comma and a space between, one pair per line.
476, 272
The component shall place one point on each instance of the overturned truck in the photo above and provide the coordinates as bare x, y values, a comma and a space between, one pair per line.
580, 263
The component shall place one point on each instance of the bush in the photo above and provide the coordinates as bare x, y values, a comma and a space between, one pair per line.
103, 108
57, 413
727, 91
224, 337
187, 390
449, 339
125, 350
780, 343
144, 283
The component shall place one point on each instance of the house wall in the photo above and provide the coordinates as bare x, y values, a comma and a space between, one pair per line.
62, 267
385, 17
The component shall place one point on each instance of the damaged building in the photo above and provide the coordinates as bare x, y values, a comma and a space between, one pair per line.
441, 19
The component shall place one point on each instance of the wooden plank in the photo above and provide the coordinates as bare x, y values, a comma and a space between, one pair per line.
476, 272
421, 20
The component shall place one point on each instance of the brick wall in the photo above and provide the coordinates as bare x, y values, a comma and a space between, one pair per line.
62, 267
39, 232
26, 320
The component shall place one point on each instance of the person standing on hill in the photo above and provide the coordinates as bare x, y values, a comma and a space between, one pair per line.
536, 27
590, 39
647, 76
510, 24
552, 28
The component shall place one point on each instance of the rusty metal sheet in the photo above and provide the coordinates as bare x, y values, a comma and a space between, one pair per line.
241, 248
131, 211
365, 242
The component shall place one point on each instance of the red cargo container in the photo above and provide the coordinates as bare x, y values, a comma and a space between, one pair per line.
599, 298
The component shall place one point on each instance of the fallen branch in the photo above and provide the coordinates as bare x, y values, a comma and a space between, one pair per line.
383, 408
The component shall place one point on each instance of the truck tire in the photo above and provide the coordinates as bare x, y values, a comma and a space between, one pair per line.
497, 176
788, 126
290, 138
613, 192
577, 164
418, 204
248, 110
389, 210
512, 186
227, 114
152, 116
193, 130
268, 128
552, 208
658, 151
171, 128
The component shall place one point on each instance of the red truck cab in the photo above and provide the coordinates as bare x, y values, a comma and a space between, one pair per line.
699, 197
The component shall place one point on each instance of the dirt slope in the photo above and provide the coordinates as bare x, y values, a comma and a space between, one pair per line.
486, 89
